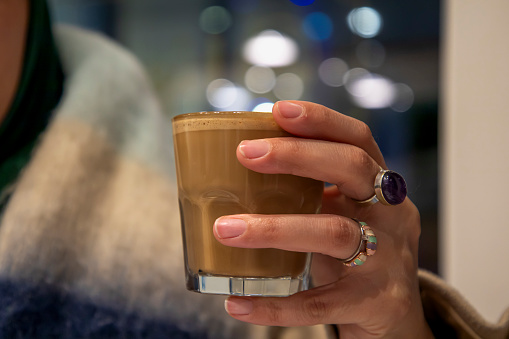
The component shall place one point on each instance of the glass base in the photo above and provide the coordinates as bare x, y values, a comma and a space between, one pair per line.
261, 287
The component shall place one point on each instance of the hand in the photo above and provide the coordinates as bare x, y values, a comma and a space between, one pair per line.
379, 299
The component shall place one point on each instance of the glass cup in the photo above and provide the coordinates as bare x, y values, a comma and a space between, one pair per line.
212, 183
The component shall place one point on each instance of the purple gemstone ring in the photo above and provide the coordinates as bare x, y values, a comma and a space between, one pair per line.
390, 189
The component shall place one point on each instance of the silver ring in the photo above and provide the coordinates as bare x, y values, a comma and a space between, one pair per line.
367, 246
368, 202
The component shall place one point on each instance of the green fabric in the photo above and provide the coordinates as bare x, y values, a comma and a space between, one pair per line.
39, 91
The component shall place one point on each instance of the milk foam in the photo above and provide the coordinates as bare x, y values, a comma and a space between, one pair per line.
202, 121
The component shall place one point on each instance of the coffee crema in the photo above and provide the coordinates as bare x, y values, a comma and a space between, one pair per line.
225, 120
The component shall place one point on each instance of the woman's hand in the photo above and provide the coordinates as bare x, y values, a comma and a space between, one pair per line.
376, 300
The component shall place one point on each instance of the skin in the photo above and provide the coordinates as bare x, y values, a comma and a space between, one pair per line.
379, 299
13, 27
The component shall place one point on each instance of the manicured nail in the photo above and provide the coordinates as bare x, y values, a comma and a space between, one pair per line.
253, 149
289, 110
229, 227
237, 306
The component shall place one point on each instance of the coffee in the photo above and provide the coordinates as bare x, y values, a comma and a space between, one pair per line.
212, 183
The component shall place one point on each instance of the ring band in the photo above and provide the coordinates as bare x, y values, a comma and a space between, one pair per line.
368, 202
390, 189
367, 246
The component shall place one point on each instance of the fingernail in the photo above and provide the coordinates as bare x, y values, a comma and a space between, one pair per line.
253, 149
229, 227
236, 306
289, 110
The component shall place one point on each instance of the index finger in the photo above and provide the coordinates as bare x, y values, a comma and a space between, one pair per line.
310, 120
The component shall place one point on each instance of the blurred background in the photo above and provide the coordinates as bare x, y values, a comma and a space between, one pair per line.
375, 60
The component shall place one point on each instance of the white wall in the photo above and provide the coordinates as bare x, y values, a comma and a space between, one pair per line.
475, 152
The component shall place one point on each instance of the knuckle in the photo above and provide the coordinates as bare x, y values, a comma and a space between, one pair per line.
274, 314
397, 302
339, 234
270, 229
284, 151
363, 166
400, 303
324, 115
414, 225
316, 310
285, 144
362, 160
292, 146
364, 132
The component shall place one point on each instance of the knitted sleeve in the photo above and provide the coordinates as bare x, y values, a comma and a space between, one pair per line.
451, 316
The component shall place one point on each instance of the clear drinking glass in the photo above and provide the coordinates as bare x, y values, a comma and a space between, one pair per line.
212, 183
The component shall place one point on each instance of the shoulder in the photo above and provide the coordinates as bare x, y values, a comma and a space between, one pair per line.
81, 48
100, 69
107, 88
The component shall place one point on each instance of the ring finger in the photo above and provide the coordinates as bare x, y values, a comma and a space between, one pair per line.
332, 235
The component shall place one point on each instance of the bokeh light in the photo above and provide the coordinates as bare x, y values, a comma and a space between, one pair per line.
370, 53
270, 48
289, 86
303, 2
332, 71
366, 22
264, 107
225, 95
215, 20
317, 26
260, 79
373, 92
352, 76
404, 98
369, 90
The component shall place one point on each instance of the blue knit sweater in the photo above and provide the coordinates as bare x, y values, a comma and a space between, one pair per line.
44, 311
